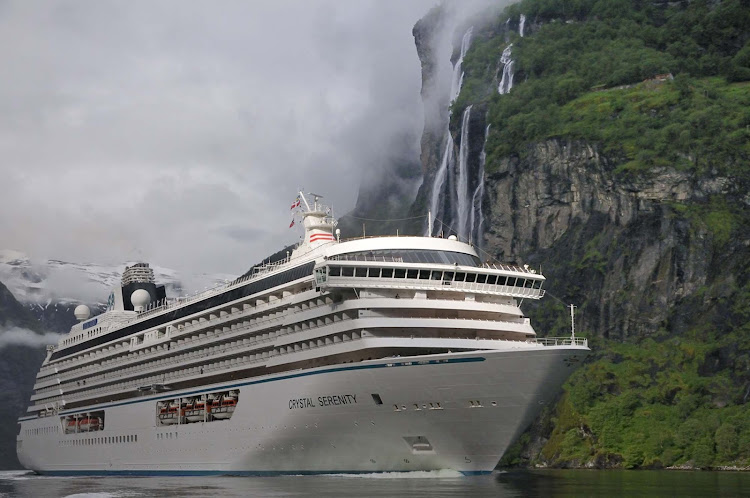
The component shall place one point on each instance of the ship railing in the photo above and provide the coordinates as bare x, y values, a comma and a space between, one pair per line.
257, 272
406, 283
560, 341
394, 259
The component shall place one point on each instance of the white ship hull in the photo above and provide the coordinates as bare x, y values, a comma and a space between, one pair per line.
456, 411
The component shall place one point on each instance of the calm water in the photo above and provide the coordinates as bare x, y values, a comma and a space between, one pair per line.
530, 483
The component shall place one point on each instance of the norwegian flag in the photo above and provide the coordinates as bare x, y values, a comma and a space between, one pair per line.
291, 224
296, 203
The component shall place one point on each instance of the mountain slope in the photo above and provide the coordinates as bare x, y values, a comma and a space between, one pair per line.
18, 366
619, 162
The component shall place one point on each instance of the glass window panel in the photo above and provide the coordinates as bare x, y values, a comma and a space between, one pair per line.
347, 271
373, 272
437, 275
511, 281
481, 279
387, 272
470, 277
460, 277
400, 273
424, 274
335, 271
492, 279
519, 282
361, 272
528, 283
448, 275
411, 273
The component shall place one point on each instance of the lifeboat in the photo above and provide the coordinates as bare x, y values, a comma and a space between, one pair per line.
226, 406
195, 411
87, 424
172, 414
70, 426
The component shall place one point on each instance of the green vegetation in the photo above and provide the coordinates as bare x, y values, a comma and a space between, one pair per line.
583, 75
655, 404
588, 71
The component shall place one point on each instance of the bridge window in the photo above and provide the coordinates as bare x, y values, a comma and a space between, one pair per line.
424, 274
411, 273
335, 271
373, 272
492, 279
502, 280
361, 272
470, 277
511, 281
387, 272
400, 273
481, 279
347, 271
437, 275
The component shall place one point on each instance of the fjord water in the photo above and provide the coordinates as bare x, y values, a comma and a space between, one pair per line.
564, 483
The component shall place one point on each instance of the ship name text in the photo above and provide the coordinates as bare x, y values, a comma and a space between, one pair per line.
335, 400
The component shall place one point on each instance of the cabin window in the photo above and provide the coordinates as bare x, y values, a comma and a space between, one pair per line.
347, 271
387, 272
502, 280
528, 284
335, 271
470, 277
361, 272
424, 274
400, 273
519, 282
511, 281
411, 273
437, 275
373, 272
492, 279
460, 277
448, 276
481, 279
537, 284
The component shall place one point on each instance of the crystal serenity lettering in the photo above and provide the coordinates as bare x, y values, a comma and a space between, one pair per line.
335, 400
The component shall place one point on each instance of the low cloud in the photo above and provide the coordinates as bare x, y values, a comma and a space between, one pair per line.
17, 336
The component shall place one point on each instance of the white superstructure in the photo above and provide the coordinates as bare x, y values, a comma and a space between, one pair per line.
374, 354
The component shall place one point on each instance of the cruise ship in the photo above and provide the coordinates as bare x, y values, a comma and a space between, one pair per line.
380, 354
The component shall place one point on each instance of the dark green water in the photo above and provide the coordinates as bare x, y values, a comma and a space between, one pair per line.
511, 484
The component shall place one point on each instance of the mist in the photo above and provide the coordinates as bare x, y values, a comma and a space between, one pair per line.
17, 336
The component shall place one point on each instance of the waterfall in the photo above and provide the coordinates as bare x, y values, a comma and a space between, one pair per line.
440, 175
448, 160
458, 74
521, 25
506, 81
477, 216
464, 204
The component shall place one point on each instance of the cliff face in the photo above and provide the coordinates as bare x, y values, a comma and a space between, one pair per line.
622, 248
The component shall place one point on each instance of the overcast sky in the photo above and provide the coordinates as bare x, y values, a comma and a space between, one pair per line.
178, 132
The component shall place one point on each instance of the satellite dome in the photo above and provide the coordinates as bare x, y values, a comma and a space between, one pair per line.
82, 312
452, 237
140, 299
